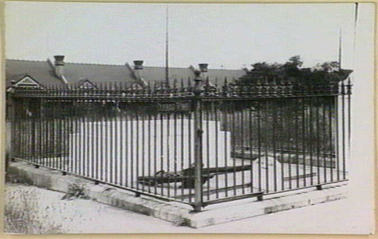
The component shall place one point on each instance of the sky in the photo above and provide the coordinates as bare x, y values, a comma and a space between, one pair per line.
230, 36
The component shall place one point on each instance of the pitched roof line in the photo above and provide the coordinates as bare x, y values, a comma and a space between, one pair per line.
122, 65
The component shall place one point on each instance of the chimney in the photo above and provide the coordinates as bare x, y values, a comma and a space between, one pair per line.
203, 69
59, 65
138, 66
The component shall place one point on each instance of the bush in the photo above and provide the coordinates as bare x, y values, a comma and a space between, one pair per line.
75, 191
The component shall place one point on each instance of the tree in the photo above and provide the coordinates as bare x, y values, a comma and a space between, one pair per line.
330, 66
296, 60
291, 71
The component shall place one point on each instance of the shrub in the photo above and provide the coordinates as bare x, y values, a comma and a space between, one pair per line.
75, 191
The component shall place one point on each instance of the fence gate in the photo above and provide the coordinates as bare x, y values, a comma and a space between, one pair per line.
198, 145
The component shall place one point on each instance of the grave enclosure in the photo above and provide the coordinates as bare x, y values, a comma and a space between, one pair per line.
195, 145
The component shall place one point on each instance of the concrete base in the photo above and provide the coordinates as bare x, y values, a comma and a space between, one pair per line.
177, 213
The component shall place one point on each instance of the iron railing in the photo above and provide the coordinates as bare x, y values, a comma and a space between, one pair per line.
197, 144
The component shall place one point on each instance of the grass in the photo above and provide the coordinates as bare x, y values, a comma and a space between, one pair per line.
22, 214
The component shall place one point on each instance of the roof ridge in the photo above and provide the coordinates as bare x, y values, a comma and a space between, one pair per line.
25, 60
96, 64
121, 65
66, 62
168, 67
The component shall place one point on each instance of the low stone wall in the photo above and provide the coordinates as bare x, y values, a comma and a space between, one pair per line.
303, 159
176, 213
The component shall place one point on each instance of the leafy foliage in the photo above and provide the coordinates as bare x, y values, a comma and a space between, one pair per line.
75, 191
291, 71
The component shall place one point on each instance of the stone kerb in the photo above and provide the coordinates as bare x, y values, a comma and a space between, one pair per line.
176, 213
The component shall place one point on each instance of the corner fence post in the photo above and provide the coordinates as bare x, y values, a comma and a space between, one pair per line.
10, 117
198, 193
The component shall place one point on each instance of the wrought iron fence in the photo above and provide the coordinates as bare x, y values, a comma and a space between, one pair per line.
197, 144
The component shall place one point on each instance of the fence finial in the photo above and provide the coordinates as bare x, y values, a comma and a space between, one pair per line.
197, 87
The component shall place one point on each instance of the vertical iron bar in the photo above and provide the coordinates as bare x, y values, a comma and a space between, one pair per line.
182, 148
336, 102
349, 96
82, 138
137, 144
143, 121
233, 112
61, 134
266, 141
208, 146
128, 141
281, 127
318, 137
111, 139
106, 136
296, 140
168, 153
155, 149
304, 139
324, 143
115, 154
122, 140
274, 139
102, 140
290, 141
132, 169
330, 109
175, 148
311, 137
242, 128
93, 138
149, 145
343, 127
161, 152
251, 157
75, 143
33, 138
216, 151
40, 142
191, 177
98, 140
259, 142
226, 133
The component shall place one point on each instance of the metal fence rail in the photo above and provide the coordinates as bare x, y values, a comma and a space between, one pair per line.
198, 144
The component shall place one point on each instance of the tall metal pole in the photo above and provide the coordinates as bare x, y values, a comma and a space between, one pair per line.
340, 47
166, 50
198, 193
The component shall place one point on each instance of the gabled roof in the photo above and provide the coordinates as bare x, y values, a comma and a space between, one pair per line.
28, 81
98, 73
41, 71
76, 73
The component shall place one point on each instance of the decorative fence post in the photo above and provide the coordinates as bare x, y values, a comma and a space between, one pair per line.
10, 118
198, 193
